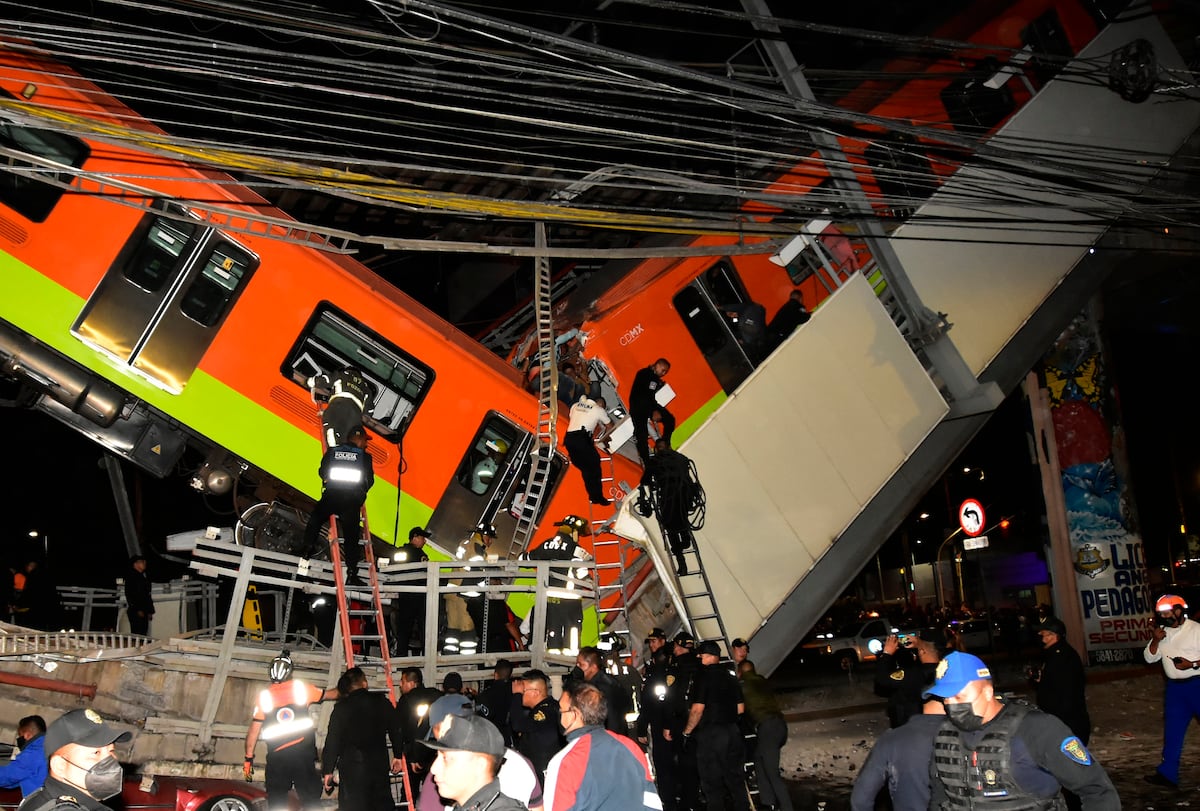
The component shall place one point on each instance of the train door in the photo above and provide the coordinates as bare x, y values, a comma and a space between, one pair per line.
162, 301
704, 306
489, 480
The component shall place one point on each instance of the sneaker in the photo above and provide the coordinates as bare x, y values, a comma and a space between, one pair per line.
1156, 778
603, 502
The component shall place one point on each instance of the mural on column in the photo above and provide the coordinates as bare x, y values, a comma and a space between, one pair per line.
1110, 569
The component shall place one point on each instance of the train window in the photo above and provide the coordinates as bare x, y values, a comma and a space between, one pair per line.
159, 256
487, 456
724, 285
24, 190
332, 341
223, 272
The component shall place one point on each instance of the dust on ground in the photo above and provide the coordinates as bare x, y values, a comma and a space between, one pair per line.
827, 746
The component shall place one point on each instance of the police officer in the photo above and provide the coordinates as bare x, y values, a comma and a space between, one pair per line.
716, 704
590, 665
899, 762
536, 730
1175, 643
349, 395
281, 719
904, 672
494, 702
82, 766
1061, 682
653, 721
413, 710
990, 753
643, 406
681, 672
408, 607
347, 475
668, 476
361, 726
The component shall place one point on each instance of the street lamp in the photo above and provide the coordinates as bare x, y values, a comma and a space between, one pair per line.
33, 533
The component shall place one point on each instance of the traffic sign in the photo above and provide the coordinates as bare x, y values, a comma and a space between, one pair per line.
978, 542
971, 517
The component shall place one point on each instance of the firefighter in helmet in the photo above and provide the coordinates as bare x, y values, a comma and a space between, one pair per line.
282, 721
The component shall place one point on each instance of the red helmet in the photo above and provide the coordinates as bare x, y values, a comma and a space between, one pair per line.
1168, 602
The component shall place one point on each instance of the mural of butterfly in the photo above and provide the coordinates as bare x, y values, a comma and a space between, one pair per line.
1084, 382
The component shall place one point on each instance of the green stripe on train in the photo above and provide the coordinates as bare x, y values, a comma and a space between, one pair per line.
44, 309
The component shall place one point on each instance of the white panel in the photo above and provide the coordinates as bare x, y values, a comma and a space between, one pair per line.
790, 459
990, 288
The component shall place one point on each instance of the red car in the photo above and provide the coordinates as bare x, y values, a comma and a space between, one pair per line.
146, 793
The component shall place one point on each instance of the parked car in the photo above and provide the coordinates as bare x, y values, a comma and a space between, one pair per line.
161, 793
853, 643
975, 635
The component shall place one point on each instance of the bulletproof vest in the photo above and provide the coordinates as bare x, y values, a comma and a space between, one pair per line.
346, 469
42, 800
983, 777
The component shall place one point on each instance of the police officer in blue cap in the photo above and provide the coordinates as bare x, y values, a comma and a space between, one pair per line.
990, 753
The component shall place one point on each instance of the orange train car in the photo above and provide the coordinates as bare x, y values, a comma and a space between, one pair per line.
153, 325
629, 315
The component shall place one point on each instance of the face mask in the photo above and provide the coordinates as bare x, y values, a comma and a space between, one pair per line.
963, 716
103, 780
576, 674
21, 744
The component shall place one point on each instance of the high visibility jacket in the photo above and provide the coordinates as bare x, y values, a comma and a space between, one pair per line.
283, 710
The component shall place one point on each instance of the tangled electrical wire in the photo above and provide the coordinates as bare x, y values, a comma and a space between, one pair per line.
674, 494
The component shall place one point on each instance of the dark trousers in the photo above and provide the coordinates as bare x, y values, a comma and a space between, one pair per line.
584, 456
772, 735
139, 622
347, 507
641, 431
686, 773
363, 786
721, 760
662, 752
407, 609
294, 766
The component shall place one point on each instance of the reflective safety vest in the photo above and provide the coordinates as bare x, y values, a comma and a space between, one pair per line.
561, 547
983, 777
283, 710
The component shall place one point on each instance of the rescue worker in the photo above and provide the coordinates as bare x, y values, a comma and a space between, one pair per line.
361, 727
347, 474
564, 606
769, 729
643, 407
536, 729
81, 764
656, 640
716, 705
653, 722
792, 314
589, 662
990, 753
681, 673
282, 720
749, 323
408, 607
581, 439
1061, 682
139, 596
668, 478
904, 672
1176, 643
27, 769
349, 396
413, 710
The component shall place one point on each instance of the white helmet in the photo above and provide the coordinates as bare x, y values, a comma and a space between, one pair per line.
281, 668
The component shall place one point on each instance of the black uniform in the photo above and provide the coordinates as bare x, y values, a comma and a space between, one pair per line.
791, 315
55, 795
343, 498
141, 601
1023, 752
407, 607
653, 719
489, 798
1060, 689
720, 756
360, 728
897, 762
669, 475
563, 613
902, 679
641, 405
750, 326
616, 700
680, 674
494, 703
538, 735
350, 396
414, 726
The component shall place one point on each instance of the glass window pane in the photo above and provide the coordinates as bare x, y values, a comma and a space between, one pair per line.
21, 185
160, 255
208, 296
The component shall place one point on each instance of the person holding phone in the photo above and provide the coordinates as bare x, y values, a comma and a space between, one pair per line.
1175, 642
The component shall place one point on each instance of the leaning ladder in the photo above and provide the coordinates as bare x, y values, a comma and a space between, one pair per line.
547, 424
